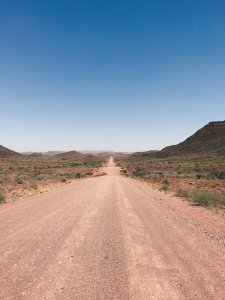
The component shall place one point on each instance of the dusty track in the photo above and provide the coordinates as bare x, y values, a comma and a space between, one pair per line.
110, 238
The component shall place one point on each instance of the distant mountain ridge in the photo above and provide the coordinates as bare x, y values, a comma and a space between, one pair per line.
96, 152
210, 139
47, 153
207, 140
69, 155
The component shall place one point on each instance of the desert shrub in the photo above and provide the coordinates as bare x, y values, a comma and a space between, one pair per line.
125, 173
207, 198
19, 180
220, 175
34, 186
140, 173
164, 187
77, 175
63, 180
160, 174
3, 178
65, 175
210, 176
198, 176
181, 192
166, 182
40, 177
2, 196
73, 164
88, 173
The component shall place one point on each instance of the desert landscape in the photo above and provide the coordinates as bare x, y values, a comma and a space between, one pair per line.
193, 169
25, 175
103, 226
112, 150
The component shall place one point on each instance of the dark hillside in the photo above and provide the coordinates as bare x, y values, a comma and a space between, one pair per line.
208, 140
5, 152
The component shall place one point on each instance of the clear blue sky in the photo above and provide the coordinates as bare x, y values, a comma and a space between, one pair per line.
121, 75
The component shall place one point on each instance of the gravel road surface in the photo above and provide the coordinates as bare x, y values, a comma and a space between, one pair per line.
110, 237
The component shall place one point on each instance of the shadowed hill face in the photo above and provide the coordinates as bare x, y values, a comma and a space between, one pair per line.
207, 140
5, 152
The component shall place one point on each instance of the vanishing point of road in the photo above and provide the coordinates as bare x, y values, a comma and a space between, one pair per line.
110, 237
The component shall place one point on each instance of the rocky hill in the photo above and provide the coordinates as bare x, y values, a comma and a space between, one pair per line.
208, 140
5, 152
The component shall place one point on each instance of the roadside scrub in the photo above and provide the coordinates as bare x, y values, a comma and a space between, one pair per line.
139, 173
208, 198
205, 198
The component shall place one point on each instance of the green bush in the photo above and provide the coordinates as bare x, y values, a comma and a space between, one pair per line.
3, 178
19, 180
40, 177
34, 186
210, 176
198, 176
160, 174
165, 188
220, 175
139, 173
216, 175
166, 182
207, 198
184, 193
77, 175
2, 196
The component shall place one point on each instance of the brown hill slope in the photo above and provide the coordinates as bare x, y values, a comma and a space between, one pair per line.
5, 152
208, 140
70, 155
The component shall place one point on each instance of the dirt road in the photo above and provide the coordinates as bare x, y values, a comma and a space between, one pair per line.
110, 237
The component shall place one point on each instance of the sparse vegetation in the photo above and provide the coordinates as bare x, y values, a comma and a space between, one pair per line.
218, 175
2, 196
19, 180
22, 175
166, 182
164, 187
183, 193
34, 186
207, 198
194, 169
140, 173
